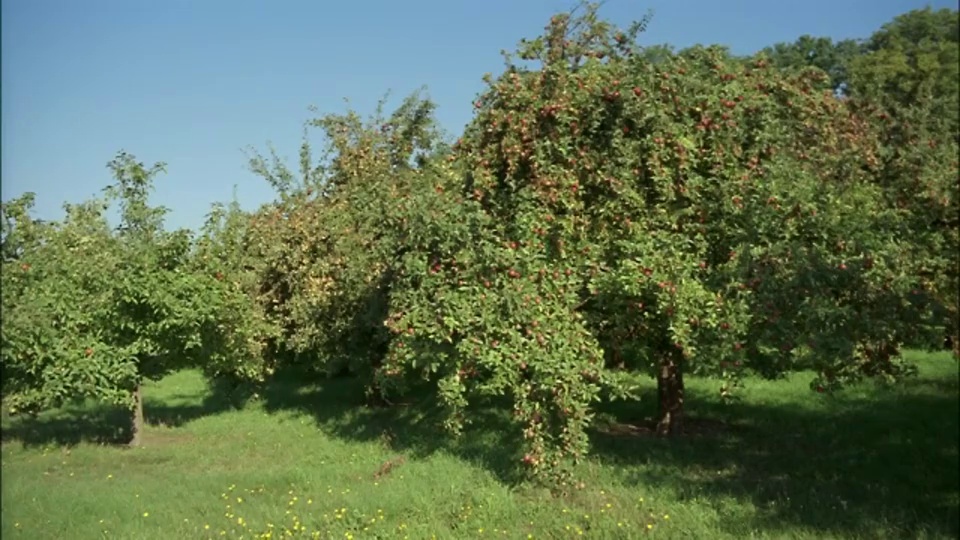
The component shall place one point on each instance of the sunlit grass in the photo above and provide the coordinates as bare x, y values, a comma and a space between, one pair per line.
784, 462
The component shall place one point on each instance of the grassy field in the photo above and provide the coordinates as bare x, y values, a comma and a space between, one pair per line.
308, 460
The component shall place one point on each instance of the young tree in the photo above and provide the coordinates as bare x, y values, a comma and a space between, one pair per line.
329, 263
92, 313
56, 291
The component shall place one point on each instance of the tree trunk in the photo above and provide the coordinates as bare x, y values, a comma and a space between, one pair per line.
670, 395
136, 432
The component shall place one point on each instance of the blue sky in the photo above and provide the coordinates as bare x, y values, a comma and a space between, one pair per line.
194, 82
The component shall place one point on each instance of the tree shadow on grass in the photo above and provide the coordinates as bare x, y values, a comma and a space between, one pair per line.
69, 426
888, 464
340, 409
89, 422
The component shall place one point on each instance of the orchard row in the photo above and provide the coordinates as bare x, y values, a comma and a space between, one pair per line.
610, 210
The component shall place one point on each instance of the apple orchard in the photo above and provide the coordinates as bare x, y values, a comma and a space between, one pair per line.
605, 214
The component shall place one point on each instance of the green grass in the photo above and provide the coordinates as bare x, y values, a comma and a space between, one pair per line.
784, 462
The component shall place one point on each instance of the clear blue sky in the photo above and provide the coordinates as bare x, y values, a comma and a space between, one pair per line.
194, 82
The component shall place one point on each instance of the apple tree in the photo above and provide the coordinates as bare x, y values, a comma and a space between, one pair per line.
692, 215
92, 312
326, 247
56, 291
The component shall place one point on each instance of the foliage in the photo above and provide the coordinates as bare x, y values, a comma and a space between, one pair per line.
823, 53
91, 312
329, 246
912, 72
56, 287
690, 215
905, 78
239, 347
914, 61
